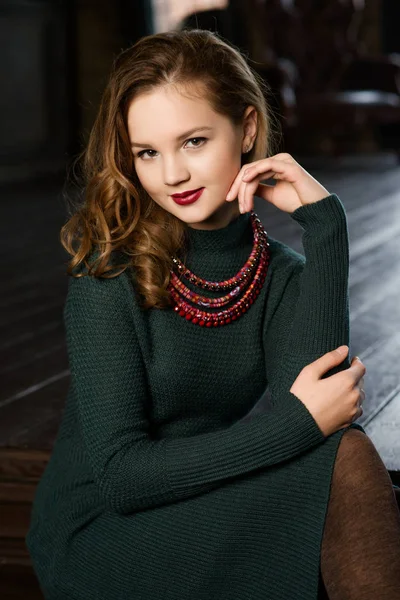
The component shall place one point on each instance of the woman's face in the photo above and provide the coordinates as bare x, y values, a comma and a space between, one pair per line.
173, 153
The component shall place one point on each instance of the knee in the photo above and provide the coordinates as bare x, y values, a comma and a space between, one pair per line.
354, 438
357, 459
354, 441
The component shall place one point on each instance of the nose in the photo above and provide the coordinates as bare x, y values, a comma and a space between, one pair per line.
175, 171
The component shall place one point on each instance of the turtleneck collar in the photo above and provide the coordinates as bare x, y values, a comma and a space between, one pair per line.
236, 233
219, 254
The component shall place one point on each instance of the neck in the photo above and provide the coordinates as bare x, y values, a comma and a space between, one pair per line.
221, 218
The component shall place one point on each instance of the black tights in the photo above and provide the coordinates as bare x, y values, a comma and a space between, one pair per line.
360, 554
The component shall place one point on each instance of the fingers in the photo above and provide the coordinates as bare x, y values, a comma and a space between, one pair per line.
280, 166
361, 389
248, 190
362, 396
251, 181
357, 370
358, 414
234, 189
353, 374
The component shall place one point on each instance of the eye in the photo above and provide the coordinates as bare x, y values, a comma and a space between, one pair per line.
197, 138
201, 139
142, 152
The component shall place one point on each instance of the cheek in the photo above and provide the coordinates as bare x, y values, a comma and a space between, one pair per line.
225, 162
225, 167
150, 183
147, 182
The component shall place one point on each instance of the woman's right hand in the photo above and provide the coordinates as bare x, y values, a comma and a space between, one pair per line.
334, 402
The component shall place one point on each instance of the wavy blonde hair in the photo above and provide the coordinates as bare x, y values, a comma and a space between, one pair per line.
117, 218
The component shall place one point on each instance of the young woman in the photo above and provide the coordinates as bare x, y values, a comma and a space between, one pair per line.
181, 310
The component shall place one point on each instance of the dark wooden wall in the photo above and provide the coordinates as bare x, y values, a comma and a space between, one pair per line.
37, 124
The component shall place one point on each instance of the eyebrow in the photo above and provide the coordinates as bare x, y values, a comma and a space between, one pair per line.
180, 137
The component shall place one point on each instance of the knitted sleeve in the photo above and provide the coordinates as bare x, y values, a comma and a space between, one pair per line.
312, 317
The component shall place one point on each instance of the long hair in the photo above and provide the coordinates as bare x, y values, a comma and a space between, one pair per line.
117, 218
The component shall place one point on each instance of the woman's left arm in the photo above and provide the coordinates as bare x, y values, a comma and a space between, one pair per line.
313, 315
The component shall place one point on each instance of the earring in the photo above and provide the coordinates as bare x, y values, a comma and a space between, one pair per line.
247, 149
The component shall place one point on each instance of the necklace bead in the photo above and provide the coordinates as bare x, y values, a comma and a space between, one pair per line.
251, 276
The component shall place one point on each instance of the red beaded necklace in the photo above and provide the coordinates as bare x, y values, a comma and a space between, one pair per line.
257, 265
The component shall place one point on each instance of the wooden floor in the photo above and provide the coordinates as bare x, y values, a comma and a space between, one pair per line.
33, 359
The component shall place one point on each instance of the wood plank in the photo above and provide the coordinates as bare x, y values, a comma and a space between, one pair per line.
32, 421
16, 357
44, 318
13, 551
15, 520
41, 368
19, 582
384, 429
381, 378
22, 464
19, 492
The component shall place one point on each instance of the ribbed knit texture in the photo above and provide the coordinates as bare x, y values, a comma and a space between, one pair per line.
158, 486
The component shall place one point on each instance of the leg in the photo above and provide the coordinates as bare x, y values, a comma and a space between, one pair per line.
360, 553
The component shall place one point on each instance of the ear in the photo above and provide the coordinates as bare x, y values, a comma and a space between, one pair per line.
250, 119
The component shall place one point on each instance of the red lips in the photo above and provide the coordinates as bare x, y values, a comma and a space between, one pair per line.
184, 194
187, 197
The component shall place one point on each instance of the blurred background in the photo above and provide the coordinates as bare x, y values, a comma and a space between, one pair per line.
333, 69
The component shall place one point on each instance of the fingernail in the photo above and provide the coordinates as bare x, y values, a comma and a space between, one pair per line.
342, 349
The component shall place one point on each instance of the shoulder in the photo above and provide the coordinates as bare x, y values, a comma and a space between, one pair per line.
113, 292
284, 260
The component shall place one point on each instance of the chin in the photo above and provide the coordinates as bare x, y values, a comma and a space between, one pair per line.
214, 217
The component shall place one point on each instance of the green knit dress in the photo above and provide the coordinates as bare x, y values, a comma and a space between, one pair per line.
161, 485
